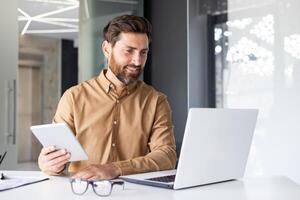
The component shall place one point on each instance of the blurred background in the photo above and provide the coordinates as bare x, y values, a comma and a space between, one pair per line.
204, 53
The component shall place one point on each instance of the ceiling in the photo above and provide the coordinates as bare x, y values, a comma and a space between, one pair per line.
51, 18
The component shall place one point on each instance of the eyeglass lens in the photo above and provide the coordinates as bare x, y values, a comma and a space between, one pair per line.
101, 188
79, 186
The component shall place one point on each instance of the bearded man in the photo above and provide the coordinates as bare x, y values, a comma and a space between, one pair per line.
124, 125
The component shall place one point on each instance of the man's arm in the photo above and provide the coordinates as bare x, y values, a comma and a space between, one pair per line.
53, 161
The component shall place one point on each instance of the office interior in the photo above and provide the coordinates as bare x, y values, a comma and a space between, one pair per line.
204, 53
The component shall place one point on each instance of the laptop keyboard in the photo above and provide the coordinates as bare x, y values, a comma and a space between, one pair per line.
165, 179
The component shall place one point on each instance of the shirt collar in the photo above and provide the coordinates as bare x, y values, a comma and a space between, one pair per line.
107, 85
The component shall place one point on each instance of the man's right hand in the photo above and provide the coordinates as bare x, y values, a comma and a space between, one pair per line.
53, 161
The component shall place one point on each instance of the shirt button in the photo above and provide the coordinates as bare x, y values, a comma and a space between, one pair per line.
118, 101
115, 122
113, 144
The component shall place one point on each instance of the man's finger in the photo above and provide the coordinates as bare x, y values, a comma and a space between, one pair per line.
56, 154
60, 160
94, 178
47, 150
85, 174
57, 168
77, 175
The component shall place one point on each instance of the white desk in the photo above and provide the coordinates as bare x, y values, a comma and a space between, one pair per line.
58, 188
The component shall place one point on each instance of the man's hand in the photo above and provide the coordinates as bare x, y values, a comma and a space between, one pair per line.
98, 172
52, 161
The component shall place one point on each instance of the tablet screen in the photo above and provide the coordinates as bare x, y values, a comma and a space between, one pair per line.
60, 136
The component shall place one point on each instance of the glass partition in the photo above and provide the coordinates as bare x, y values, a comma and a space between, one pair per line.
94, 15
257, 65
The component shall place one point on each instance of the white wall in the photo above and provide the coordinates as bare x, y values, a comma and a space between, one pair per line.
8, 76
270, 81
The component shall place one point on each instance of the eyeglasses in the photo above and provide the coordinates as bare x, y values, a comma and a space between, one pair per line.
102, 188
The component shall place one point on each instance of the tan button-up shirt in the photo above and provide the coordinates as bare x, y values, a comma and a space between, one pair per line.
134, 130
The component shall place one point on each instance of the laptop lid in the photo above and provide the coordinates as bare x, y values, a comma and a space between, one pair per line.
215, 148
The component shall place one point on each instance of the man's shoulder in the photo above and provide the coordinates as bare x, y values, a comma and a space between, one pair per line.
83, 86
148, 89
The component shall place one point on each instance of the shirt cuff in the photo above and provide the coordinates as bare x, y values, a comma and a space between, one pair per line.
125, 167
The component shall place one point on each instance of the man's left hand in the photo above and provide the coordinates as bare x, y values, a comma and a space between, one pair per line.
98, 172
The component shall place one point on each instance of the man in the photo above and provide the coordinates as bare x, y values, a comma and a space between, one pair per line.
124, 125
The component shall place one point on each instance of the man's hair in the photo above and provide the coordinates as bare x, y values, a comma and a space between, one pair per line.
126, 24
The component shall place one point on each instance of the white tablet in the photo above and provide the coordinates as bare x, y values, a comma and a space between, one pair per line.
60, 136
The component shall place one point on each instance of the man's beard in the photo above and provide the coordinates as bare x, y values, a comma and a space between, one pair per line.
126, 74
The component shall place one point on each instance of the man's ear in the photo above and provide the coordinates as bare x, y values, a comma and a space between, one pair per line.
106, 48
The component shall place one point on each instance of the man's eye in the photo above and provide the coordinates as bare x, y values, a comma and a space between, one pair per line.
144, 53
129, 50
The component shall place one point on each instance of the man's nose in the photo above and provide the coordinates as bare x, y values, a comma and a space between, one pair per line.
137, 59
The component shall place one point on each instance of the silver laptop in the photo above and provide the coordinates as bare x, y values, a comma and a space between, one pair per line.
215, 148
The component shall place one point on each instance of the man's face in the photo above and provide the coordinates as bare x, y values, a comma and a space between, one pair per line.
128, 57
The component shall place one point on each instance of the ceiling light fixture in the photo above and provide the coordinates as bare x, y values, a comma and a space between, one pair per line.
56, 11
53, 31
21, 18
26, 27
44, 18
120, 1
28, 20
54, 21
66, 2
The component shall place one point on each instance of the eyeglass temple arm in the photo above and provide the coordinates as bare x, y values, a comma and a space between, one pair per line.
118, 183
